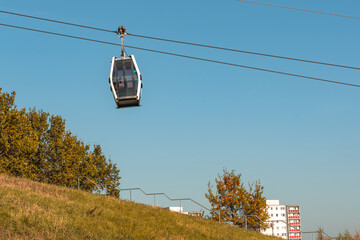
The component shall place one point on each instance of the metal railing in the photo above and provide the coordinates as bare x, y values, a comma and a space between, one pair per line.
327, 235
181, 199
155, 194
311, 232
96, 184
189, 199
169, 198
164, 194
246, 222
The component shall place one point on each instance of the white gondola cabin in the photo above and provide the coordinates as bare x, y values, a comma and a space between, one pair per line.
125, 81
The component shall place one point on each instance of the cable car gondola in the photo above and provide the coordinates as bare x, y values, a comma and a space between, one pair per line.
125, 78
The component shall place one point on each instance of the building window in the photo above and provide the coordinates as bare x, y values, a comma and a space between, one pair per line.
283, 214
277, 215
276, 208
284, 234
272, 215
282, 208
271, 208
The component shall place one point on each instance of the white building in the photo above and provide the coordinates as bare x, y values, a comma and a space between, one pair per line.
181, 210
175, 209
285, 220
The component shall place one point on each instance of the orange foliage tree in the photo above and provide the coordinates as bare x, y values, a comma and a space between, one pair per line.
232, 202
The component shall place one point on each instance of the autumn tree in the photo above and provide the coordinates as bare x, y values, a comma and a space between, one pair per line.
39, 123
18, 143
346, 236
36, 145
321, 235
232, 202
357, 235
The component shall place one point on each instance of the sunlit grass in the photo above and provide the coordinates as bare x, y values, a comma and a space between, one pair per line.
32, 210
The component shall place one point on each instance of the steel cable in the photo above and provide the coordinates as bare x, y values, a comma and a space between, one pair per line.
299, 9
184, 56
189, 43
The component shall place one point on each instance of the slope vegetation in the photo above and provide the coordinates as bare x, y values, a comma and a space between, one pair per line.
33, 210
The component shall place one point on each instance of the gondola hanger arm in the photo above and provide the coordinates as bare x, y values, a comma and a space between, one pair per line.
122, 32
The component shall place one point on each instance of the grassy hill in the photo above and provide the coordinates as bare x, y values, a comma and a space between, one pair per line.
32, 210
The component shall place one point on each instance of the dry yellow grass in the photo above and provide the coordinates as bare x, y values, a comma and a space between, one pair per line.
32, 210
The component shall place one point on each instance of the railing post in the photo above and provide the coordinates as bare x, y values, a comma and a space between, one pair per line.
154, 200
180, 206
130, 196
246, 227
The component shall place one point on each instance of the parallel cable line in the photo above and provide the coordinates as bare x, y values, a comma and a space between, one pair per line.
186, 56
247, 52
299, 9
188, 43
56, 21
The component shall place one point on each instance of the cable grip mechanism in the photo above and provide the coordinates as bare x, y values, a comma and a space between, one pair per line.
122, 32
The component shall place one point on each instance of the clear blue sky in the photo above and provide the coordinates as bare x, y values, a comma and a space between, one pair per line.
299, 137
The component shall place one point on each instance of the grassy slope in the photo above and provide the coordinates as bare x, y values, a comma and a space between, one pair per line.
32, 210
